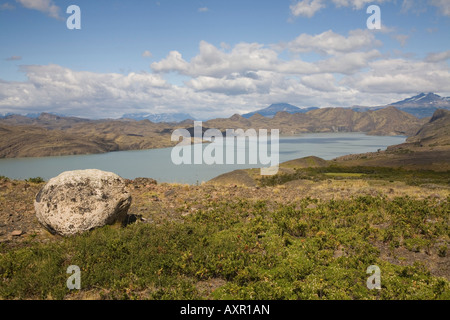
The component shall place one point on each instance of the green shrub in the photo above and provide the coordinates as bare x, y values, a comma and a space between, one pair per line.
35, 180
284, 252
442, 251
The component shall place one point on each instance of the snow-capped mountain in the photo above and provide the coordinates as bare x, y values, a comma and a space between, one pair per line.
424, 99
423, 105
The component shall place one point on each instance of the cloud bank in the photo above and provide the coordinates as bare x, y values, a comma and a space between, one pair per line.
346, 70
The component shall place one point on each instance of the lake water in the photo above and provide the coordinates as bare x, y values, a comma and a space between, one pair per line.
157, 163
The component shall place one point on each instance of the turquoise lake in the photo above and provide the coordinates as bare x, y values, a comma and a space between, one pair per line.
157, 163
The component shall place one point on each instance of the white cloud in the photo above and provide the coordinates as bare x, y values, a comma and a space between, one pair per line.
401, 76
325, 82
45, 6
173, 62
356, 4
420, 6
330, 42
14, 58
401, 38
230, 86
54, 86
307, 8
6, 6
147, 54
442, 5
407, 5
348, 63
438, 56
214, 62
203, 9
250, 57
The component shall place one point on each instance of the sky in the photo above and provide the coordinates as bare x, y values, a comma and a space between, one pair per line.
212, 58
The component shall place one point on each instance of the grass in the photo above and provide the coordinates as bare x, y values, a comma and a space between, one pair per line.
35, 180
254, 251
410, 177
344, 174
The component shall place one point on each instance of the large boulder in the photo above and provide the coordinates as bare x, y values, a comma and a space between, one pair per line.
78, 201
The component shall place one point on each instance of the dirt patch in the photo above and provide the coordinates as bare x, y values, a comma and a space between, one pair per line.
437, 265
206, 288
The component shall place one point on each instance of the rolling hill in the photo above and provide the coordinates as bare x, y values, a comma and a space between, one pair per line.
388, 121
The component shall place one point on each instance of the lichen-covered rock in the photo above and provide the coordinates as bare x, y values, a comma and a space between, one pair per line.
78, 201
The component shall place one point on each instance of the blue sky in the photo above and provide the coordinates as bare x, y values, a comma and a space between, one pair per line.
214, 58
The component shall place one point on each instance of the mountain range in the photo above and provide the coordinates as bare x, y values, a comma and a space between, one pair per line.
422, 105
386, 121
428, 99
273, 109
159, 117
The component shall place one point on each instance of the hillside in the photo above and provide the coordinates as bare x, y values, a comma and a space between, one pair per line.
435, 133
26, 141
388, 121
309, 238
64, 136
429, 148
52, 135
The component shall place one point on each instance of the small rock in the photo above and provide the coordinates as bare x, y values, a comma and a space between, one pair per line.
169, 193
311, 206
16, 233
145, 181
339, 252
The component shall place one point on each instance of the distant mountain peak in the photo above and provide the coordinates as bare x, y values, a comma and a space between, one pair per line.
421, 98
48, 116
236, 117
422, 105
158, 117
274, 108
